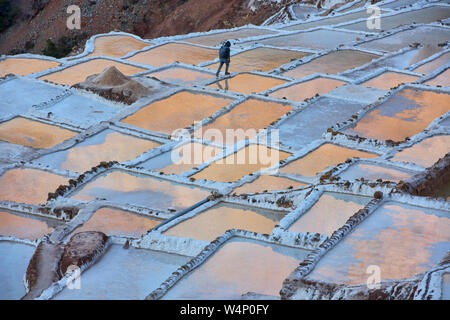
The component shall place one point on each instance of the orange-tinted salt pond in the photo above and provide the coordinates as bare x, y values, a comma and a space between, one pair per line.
329, 213
405, 114
29, 185
23, 67
400, 239
425, 15
182, 158
323, 157
373, 172
24, 226
268, 183
173, 52
307, 89
213, 222
252, 115
332, 63
78, 73
433, 64
388, 80
425, 153
261, 59
178, 111
215, 39
247, 83
256, 267
424, 35
318, 39
135, 189
116, 46
247, 160
115, 222
107, 145
181, 76
443, 79
33, 133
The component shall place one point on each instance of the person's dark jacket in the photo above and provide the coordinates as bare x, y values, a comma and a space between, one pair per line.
224, 52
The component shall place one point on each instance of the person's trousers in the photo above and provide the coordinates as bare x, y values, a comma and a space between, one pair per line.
222, 62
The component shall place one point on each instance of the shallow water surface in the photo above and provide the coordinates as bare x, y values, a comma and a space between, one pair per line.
23, 67
116, 46
373, 172
269, 183
181, 76
388, 80
247, 83
307, 89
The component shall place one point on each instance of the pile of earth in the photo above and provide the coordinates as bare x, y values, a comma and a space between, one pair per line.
111, 84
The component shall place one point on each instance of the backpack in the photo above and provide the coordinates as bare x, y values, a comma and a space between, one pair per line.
223, 52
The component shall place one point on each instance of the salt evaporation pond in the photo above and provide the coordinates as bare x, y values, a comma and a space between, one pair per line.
373, 172
252, 115
177, 111
25, 226
25, 66
215, 39
115, 222
307, 89
325, 156
107, 145
26, 185
116, 45
181, 76
124, 274
426, 152
268, 183
388, 80
213, 222
332, 63
13, 264
247, 83
433, 64
403, 115
257, 267
313, 121
400, 239
23, 94
135, 189
33, 134
182, 158
443, 79
79, 72
242, 163
172, 52
329, 213
261, 59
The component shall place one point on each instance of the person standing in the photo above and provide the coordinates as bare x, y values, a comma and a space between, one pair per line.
224, 56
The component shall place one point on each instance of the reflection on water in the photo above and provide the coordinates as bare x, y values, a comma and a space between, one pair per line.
269, 183
116, 46
247, 83
172, 52
443, 79
215, 39
181, 76
240, 266
332, 63
252, 115
247, 160
178, 111
24, 67
373, 172
425, 153
325, 156
213, 222
262, 59
114, 222
33, 133
329, 213
24, 227
80, 72
28, 185
307, 89
134, 189
403, 115
388, 80
124, 274
105, 146
400, 239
